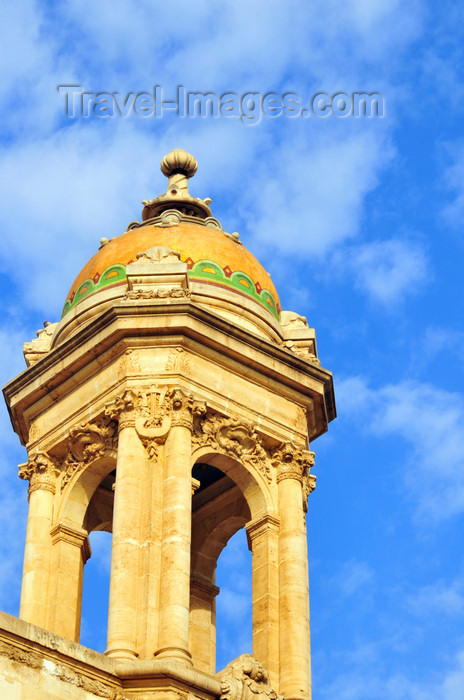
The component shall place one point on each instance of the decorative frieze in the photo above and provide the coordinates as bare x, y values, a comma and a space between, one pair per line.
178, 361
173, 293
62, 672
41, 471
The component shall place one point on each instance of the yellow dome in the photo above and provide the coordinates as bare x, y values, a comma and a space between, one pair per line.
213, 257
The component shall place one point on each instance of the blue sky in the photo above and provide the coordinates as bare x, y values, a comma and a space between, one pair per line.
359, 222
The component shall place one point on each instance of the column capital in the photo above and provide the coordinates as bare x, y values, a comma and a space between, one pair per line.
183, 407
262, 526
203, 589
292, 462
41, 471
77, 537
124, 408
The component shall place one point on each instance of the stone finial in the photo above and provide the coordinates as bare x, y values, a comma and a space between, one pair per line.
179, 161
178, 166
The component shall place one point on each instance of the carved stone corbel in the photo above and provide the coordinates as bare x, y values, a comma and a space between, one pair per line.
246, 679
41, 471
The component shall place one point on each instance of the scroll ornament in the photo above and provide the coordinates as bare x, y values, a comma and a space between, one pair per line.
246, 679
87, 441
41, 471
234, 436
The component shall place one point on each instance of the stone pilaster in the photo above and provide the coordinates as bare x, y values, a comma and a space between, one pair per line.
125, 553
295, 660
203, 624
263, 536
70, 551
41, 472
177, 526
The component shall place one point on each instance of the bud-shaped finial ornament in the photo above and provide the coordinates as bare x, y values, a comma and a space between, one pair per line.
178, 166
179, 161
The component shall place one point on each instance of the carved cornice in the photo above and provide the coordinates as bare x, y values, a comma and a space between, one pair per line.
246, 679
86, 442
235, 437
41, 471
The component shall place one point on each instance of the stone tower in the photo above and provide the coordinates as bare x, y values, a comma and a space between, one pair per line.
173, 404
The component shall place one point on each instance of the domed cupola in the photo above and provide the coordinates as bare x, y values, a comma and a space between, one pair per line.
221, 273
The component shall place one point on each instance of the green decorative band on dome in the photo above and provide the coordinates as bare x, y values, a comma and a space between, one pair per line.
209, 271
202, 270
113, 275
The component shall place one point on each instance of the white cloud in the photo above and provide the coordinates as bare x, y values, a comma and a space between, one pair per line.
374, 680
354, 576
309, 197
454, 181
387, 270
444, 598
431, 420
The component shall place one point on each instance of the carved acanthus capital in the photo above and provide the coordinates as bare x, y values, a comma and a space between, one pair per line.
86, 442
246, 679
41, 471
235, 437
183, 407
124, 408
292, 462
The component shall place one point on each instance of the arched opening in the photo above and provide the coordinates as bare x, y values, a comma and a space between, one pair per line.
95, 594
234, 602
96, 586
219, 511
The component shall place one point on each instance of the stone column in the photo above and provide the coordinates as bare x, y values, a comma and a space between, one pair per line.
295, 673
263, 537
125, 552
177, 528
70, 551
202, 624
41, 473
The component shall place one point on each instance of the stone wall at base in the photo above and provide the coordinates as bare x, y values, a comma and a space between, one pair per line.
38, 665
